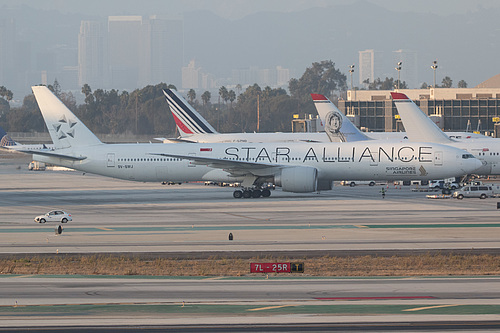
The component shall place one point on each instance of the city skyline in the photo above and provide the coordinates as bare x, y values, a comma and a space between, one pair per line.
38, 45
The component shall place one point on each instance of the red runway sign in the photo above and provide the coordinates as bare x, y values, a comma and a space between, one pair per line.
268, 267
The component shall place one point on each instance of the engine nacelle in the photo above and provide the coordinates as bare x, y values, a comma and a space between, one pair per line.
324, 185
300, 179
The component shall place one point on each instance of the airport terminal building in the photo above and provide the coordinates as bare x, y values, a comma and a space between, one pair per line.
452, 109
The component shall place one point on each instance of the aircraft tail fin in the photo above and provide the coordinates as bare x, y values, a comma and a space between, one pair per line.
337, 126
65, 129
5, 139
187, 119
419, 127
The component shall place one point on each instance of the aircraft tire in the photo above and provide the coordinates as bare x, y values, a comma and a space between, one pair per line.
247, 194
237, 194
256, 193
266, 193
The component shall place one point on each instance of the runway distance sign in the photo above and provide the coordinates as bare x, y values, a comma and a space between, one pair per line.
277, 267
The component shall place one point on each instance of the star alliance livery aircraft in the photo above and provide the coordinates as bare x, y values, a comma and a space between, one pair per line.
295, 167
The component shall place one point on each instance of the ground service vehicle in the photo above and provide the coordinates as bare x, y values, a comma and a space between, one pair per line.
353, 183
481, 192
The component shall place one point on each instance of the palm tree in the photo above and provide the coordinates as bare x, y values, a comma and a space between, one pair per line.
223, 93
206, 97
191, 95
232, 97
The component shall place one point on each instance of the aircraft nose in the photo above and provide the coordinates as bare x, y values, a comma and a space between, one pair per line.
473, 165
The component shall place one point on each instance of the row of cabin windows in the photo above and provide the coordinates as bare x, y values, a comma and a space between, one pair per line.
491, 154
244, 159
148, 159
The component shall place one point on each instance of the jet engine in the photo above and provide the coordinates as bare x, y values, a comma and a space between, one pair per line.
298, 179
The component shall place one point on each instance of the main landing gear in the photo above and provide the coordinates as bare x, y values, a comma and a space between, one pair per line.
252, 193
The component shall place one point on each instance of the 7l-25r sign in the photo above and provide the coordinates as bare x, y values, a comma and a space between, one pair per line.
277, 267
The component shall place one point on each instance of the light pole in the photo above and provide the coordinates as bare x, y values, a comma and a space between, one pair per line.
351, 71
399, 71
434, 67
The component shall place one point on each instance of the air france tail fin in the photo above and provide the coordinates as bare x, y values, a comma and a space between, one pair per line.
187, 119
419, 127
337, 126
65, 129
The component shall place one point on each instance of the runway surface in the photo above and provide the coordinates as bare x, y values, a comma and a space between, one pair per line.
118, 216
234, 301
115, 216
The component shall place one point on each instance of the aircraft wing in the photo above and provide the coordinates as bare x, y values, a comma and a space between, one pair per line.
235, 167
52, 154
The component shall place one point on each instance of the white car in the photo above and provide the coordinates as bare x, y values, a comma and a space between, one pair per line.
353, 183
54, 215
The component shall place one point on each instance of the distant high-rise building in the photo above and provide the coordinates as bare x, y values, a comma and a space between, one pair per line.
167, 50
191, 76
276, 77
367, 64
282, 76
409, 73
126, 51
15, 59
92, 65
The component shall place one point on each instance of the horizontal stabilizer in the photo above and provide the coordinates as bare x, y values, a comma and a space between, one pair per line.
52, 154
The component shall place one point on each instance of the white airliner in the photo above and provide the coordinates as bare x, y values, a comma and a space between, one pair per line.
194, 128
420, 127
338, 128
7, 143
296, 167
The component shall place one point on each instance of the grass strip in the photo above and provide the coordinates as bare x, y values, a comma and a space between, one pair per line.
367, 265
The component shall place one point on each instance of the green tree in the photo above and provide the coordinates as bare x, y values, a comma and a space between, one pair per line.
231, 95
191, 95
447, 82
462, 84
223, 93
6, 93
205, 97
55, 88
387, 84
321, 78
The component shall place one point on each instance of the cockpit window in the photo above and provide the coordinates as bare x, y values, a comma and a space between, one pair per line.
466, 156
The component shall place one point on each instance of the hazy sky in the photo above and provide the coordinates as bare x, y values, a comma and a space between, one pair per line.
462, 34
240, 8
